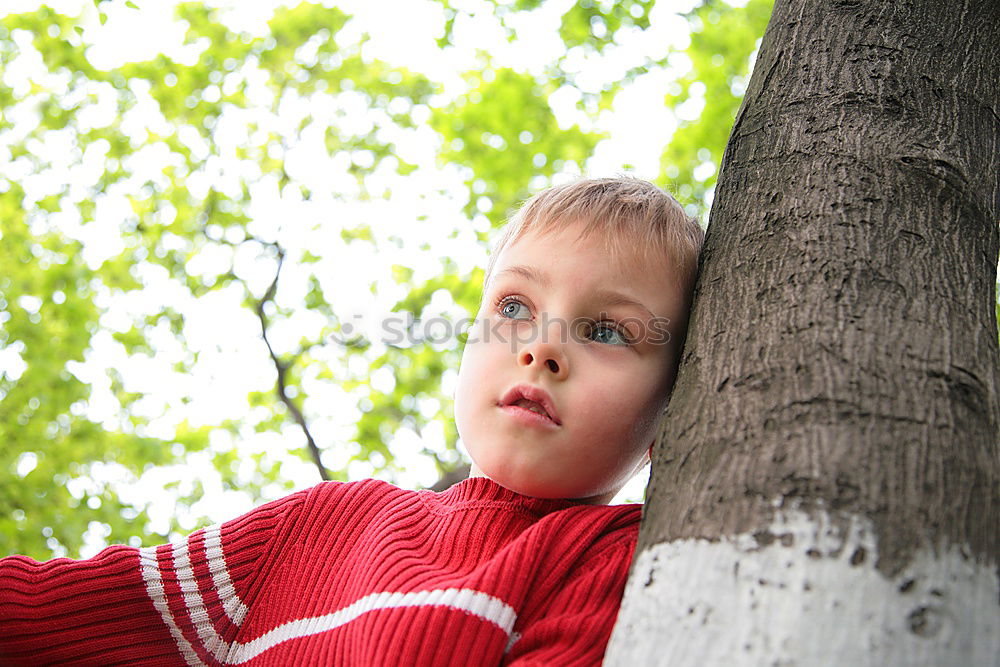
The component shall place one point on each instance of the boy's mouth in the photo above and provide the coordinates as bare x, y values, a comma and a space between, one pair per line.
533, 399
530, 405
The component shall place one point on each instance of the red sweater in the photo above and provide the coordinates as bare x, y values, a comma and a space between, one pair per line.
359, 573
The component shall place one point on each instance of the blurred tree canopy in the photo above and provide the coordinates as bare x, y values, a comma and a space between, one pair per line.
239, 174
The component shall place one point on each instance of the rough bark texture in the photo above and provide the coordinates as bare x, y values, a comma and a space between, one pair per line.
842, 351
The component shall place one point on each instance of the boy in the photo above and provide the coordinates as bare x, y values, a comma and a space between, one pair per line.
562, 381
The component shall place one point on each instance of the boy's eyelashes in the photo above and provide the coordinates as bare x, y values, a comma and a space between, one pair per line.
610, 333
512, 308
606, 331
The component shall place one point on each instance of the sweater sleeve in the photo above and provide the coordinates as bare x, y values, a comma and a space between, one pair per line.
174, 604
574, 625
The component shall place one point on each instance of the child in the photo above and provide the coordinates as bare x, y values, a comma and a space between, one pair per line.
563, 378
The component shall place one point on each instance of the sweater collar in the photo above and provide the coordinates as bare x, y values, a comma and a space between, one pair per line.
484, 489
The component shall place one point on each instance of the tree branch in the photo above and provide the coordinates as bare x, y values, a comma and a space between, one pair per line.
282, 368
451, 477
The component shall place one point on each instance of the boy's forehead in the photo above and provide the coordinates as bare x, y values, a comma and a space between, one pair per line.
622, 253
624, 274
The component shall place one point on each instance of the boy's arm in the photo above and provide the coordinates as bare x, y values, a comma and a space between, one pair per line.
166, 605
573, 627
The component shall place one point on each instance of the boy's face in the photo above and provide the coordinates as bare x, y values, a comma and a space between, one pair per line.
565, 332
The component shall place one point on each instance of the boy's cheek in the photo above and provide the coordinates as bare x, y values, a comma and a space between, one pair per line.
606, 404
467, 381
474, 374
635, 396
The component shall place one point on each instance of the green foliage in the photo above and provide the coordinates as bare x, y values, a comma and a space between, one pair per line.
596, 24
48, 317
721, 43
588, 23
175, 219
505, 152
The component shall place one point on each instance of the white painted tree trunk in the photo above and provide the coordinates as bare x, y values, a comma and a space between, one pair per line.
805, 591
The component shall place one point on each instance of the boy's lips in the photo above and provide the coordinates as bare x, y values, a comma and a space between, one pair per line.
533, 399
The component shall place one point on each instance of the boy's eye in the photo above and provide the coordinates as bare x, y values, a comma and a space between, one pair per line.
514, 310
607, 334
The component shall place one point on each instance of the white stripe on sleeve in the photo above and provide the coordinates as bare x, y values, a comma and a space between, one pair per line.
231, 602
154, 588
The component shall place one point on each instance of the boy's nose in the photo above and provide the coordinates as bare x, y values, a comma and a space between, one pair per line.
554, 365
546, 354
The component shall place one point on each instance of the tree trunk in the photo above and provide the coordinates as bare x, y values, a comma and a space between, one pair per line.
827, 484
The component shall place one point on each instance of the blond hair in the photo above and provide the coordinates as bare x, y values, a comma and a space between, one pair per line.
629, 213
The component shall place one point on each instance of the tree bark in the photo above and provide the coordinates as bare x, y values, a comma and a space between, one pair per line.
827, 483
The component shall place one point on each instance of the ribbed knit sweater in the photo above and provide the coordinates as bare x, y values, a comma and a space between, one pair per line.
359, 573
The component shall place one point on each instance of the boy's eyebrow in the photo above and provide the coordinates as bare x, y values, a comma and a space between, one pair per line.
528, 273
606, 297
612, 298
